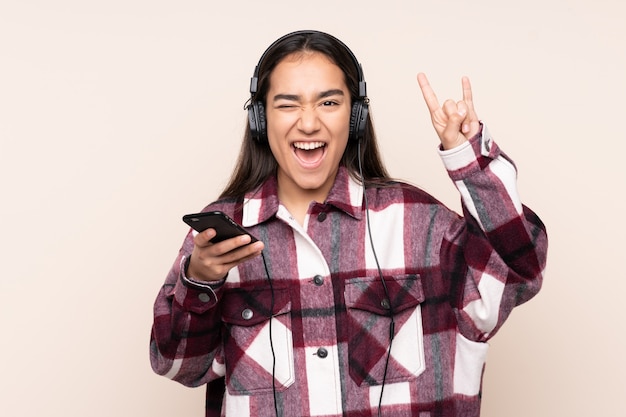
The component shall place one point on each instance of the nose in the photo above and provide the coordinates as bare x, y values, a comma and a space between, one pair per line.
309, 121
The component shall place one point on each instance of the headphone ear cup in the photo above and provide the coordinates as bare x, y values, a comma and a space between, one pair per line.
358, 119
256, 120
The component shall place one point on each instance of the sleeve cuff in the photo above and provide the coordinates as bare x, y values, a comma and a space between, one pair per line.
464, 158
194, 295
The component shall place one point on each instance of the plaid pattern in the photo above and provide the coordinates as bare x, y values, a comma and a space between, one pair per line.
452, 282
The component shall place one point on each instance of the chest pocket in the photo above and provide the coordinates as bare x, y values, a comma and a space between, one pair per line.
247, 347
369, 325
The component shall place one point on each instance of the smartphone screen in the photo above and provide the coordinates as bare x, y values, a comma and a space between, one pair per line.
225, 227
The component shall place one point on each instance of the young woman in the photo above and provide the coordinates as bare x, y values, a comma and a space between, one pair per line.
363, 295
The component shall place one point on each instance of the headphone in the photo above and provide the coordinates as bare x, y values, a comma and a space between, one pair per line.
358, 123
256, 109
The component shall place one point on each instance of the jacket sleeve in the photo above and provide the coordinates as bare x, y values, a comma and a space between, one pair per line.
496, 254
185, 338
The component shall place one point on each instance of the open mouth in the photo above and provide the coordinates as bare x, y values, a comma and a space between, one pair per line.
309, 153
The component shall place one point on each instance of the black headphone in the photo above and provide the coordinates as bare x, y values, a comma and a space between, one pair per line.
256, 109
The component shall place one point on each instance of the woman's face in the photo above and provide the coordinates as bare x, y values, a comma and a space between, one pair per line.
308, 121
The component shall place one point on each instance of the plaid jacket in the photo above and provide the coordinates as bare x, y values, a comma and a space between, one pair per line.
451, 283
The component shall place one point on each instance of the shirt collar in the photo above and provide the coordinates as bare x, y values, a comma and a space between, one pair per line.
260, 205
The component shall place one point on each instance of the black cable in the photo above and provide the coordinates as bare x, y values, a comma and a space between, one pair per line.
382, 280
269, 279
392, 324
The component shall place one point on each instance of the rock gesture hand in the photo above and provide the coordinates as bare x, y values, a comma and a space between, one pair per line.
454, 122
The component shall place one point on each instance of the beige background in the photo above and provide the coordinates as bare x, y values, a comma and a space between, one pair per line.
119, 116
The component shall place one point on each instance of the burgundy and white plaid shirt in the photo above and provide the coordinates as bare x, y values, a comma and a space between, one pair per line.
452, 281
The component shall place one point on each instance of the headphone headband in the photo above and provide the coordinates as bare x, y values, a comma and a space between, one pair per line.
254, 81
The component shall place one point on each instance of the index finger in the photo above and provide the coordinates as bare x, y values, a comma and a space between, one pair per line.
203, 239
429, 95
232, 243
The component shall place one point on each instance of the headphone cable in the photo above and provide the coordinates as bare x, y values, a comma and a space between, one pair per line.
382, 280
392, 324
271, 318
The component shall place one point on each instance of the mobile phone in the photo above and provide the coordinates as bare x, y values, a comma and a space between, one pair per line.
225, 227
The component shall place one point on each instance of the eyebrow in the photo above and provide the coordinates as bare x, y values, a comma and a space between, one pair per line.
295, 97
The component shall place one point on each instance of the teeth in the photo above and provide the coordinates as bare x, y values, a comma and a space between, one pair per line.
307, 146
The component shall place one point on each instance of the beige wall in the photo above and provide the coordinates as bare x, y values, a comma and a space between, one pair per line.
119, 116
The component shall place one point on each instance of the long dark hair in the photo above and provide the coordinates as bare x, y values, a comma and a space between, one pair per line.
256, 163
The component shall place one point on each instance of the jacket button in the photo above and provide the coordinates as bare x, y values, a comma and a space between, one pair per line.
204, 297
322, 353
247, 314
318, 280
385, 304
321, 217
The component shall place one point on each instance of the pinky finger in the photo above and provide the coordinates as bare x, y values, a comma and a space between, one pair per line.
467, 92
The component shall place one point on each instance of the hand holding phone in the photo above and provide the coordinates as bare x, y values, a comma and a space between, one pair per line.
224, 226
210, 262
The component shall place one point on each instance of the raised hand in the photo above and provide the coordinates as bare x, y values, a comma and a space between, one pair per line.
454, 122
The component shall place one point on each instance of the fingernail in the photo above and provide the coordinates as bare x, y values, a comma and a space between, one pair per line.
465, 128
